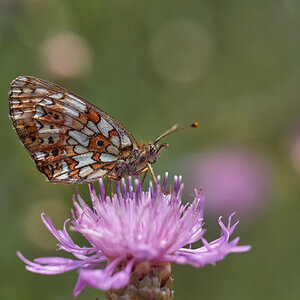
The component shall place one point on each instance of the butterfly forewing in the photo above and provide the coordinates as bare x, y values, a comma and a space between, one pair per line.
70, 139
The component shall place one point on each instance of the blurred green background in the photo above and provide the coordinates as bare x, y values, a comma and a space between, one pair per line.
232, 65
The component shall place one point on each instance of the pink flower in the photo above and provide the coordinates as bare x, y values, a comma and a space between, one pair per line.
234, 179
131, 228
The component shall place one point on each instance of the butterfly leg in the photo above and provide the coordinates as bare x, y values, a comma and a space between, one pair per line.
109, 181
111, 189
154, 178
152, 172
106, 186
145, 171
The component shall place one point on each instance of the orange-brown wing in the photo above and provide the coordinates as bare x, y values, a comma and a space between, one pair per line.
70, 140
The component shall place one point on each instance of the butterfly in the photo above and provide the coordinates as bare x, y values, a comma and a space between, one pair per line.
73, 141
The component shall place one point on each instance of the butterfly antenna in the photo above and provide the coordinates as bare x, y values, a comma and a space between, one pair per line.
174, 129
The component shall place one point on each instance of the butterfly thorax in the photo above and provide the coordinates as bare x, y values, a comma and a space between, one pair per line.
137, 160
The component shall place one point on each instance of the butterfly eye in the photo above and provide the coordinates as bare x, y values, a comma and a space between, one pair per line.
155, 152
152, 149
100, 143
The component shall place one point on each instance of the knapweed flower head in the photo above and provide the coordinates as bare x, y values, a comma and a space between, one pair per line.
234, 171
134, 232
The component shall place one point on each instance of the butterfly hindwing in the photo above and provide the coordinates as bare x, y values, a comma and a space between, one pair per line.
70, 140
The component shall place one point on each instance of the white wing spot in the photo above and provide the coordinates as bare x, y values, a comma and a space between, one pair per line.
27, 90
107, 157
17, 114
57, 96
76, 104
116, 141
41, 91
39, 112
80, 149
71, 111
79, 137
15, 101
76, 98
46, 101
87, 131
38, 125
97, 174
68, 120
72, 142
84, 159
65, 167
112, 150
91, 125
46, 129
125, 140
85, 171
40, 155
22, 78
104, 127
62, 176
16, 90
20, 81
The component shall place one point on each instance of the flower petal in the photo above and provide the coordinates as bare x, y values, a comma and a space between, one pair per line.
51, 265
103, 279
211, 252
58, 265
145, 226
66, 243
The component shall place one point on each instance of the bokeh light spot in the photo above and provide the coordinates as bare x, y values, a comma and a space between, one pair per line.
181, 50
233, 180
66, 55
294, 145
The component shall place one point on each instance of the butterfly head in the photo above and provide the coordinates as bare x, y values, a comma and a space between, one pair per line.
155, 151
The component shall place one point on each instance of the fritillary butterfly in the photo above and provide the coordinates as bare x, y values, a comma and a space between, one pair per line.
70, 139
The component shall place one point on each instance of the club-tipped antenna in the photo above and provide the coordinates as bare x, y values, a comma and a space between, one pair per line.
174, 129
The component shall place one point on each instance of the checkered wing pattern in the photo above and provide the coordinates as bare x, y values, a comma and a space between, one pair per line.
70, 139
